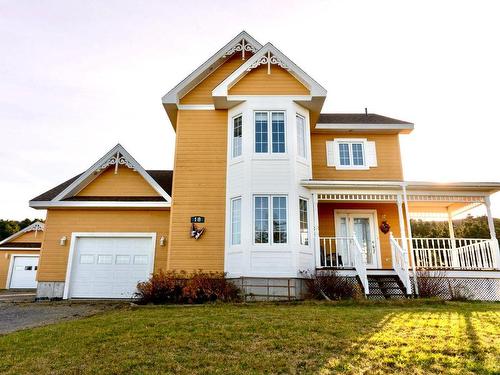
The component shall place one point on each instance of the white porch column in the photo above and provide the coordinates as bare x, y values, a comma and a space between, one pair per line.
317, 248
410, 240
454, 254
404, 241
491, 225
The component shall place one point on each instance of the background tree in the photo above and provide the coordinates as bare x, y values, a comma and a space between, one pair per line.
470, 227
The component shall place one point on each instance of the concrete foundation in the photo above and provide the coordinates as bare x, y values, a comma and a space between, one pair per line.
49, 290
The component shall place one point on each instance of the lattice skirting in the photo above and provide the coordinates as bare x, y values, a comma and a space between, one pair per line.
480, 289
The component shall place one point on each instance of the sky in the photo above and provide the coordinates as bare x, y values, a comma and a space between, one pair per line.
77, 77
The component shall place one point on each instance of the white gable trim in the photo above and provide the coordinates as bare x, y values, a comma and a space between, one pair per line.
110, 159
193, 79
36, 226
270, 55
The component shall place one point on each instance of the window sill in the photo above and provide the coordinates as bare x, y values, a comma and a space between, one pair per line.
237, 160
345, 168
270, 157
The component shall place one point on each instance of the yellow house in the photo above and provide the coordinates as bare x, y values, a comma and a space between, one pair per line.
264, 187
19, 255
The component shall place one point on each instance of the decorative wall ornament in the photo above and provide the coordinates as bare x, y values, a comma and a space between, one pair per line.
36, 226
384, 227
242, 46
196, 232
268, 59
116, 160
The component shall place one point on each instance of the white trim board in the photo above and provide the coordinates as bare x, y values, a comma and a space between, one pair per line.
98, 204
11, 265
76, 235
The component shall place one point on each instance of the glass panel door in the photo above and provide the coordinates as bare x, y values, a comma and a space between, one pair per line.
361, 226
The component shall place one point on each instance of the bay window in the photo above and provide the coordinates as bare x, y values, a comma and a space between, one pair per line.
301, 136
270, 231
236, 221
303, 222
237, 136
272, 137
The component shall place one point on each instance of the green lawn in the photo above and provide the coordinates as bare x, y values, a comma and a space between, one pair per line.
414, 337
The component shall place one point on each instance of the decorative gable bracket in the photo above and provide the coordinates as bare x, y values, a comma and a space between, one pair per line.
268, 59
116, 160
242, 46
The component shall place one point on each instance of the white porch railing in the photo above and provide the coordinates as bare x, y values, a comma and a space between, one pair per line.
344, 252
455, 254
400, 263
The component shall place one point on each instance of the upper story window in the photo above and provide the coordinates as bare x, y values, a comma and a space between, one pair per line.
237, 136
270, 137
301, 135
351, 154
355, 153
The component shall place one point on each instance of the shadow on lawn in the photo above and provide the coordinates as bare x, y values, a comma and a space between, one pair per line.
420, 340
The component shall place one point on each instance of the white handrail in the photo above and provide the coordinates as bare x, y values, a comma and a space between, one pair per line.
454, 253
400, 263
360, 264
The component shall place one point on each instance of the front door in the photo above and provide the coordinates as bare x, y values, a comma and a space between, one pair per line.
362, 226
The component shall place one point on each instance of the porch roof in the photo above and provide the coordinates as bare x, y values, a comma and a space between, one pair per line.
424, 199
487, 188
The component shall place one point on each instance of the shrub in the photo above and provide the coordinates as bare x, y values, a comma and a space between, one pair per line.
330, 285
431, 284
180, 287
162, 287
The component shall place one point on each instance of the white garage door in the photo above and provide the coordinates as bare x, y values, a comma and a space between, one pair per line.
109, 267
23, 272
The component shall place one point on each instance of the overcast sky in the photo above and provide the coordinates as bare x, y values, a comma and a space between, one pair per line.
76, 77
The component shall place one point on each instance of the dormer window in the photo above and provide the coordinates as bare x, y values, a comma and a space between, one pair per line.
270, 137
357, 153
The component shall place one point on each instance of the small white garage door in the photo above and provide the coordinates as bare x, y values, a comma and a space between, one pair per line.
23, 272
109, 267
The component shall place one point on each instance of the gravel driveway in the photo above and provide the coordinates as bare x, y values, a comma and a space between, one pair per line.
20, 315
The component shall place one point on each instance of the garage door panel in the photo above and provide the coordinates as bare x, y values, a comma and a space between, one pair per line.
107, 267
23, 272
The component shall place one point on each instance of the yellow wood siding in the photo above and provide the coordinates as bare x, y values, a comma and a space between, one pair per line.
60, 223
5, 256
31, 236
387, 210
199, 188
258, 82
388, 158
125, 183
202, 93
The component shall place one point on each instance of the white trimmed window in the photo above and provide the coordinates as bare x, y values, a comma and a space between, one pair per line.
301, 135
236, 221
237, 136
263, 226
303, 222
357, 153
270, 132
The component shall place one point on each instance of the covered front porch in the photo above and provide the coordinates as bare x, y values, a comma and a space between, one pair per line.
364, 228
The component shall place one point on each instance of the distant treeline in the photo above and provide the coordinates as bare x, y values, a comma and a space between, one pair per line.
9, 227
470, 227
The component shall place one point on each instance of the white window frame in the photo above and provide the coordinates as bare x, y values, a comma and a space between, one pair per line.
307, 223
233, 156
232, 221
367, 159
269, 132
301, 133
270, 220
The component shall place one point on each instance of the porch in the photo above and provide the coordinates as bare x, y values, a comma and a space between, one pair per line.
363, 228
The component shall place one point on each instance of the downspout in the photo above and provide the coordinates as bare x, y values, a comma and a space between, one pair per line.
410, 238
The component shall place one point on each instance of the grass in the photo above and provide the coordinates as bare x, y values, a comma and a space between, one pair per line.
415, 337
